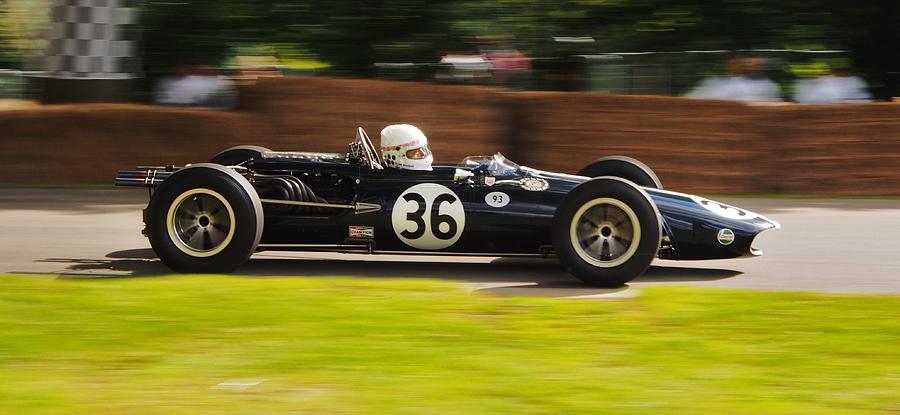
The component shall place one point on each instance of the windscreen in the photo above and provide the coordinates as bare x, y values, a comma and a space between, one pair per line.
497, 165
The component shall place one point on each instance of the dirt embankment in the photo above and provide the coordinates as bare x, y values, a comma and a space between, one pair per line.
695, 146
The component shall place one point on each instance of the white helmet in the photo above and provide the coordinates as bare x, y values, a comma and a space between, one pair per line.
405, 147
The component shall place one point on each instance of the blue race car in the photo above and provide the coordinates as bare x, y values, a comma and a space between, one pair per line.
606, 224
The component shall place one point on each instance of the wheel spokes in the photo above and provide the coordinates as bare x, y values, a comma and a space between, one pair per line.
195, 241
199, 200
615, 247
604, 250
188, 211
605, 232
216, 236
207, 241
191, 231
199, 230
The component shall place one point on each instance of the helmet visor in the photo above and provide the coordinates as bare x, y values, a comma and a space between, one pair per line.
418, 153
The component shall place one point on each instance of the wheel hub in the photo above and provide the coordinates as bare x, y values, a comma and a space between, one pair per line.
605, 232
201, 222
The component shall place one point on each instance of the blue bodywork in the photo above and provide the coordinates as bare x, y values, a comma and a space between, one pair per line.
694, 228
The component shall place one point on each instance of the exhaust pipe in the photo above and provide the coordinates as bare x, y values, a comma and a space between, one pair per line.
141, 178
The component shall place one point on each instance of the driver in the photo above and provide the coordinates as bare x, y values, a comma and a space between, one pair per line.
405, 147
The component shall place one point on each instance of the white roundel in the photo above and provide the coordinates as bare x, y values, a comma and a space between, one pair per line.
724, 210
496, 199
428, 216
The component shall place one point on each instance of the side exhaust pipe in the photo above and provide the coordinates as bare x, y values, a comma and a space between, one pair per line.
142, 178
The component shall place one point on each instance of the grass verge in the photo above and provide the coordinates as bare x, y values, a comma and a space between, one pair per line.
237, 345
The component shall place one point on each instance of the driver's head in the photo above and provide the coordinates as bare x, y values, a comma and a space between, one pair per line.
405, 147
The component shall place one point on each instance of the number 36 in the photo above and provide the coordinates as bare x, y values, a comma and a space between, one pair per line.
428, 216
436, 217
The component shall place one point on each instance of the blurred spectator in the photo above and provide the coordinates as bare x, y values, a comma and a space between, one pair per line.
746, 82
197, 86
840, 86
464, 67
509, 66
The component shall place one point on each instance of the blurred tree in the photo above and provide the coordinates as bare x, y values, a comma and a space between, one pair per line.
198, 32
352, 35
21, 26
873, 31
8, 55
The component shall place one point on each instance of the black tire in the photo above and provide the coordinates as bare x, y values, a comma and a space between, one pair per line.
238, 154
221, 242
613, 212
624, 167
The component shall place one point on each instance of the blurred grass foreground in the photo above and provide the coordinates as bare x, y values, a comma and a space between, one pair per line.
212, 344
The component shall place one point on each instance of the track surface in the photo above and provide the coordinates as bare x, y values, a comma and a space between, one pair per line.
824, 245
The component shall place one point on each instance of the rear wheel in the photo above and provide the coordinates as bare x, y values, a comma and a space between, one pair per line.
238, 154
607, 231
205, 218
625, 167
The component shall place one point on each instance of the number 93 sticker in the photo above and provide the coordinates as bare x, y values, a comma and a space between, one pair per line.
428, 216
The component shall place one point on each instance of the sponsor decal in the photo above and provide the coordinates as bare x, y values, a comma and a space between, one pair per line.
534, 184
725, 236
490, 180
496, 199
362, 232
428, 216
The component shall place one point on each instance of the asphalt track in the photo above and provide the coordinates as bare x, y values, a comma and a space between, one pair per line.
843, 246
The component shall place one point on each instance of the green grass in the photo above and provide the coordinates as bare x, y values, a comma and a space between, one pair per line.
340, 345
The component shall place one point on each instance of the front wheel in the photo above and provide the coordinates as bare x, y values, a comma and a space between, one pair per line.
625, 167
607, 231
205, 219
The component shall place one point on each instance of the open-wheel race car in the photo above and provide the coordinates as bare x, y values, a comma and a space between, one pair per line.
606, 224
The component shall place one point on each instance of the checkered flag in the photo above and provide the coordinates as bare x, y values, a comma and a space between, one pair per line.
93, 39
